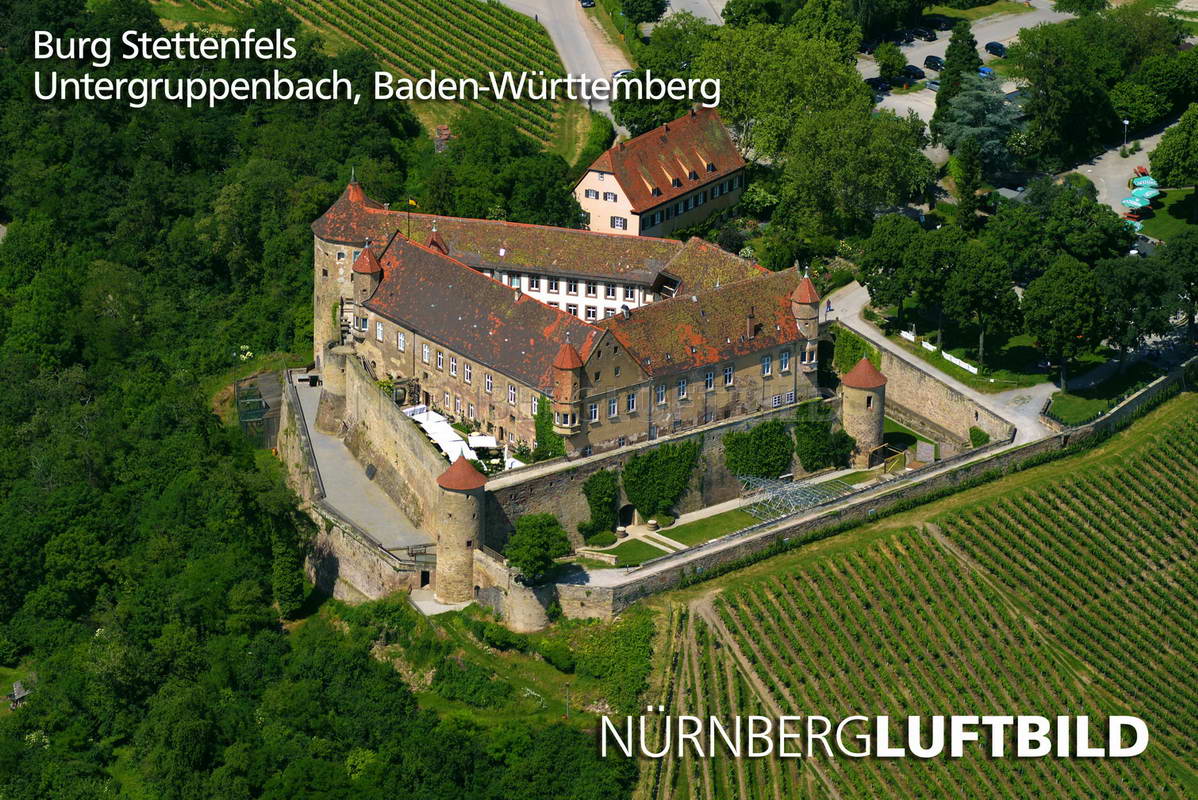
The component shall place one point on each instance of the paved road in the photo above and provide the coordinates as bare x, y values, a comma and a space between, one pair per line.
1110, 171
348, 490
705, 9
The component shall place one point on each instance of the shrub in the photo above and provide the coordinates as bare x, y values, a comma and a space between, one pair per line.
601, 539
764, 451
601, 490
549, 444
849, 348
818, 446
654, 480
538, 539
978, 437
557, 654
469, 684
619, 655
664, 520
497, 636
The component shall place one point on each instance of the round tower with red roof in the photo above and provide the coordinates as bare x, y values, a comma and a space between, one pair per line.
567, 390
459, 523
863, 409
804, 305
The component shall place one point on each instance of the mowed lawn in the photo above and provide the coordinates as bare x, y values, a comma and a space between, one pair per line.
1173, 213
635, 551
713, 527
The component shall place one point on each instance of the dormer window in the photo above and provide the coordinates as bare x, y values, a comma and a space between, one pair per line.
710, 167
676, 182
656, 191
694, 175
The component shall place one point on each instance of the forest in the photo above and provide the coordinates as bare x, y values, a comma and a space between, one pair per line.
151, 558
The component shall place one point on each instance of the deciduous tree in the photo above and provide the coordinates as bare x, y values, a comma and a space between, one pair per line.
1062, 310
1175, 160
536, 542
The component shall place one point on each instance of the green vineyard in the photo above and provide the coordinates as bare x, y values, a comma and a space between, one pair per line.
457, 38
1074, 595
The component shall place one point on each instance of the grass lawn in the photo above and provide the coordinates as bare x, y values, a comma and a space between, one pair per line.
854, 478
1078, 408
634, 552
702, 530
1172, 213
915, 87
7, 676
219, 387
903, 438
992, 9
570, 133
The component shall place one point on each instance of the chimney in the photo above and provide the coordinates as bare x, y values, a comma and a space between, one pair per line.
750, 325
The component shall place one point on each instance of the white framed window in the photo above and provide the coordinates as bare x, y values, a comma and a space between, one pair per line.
592, 313
609, 291
593, 412
534, 401
470, 412
591, 194
629, 292
609, 197
619, 223
488, 382
709, 381
445, 405
553, 304
682, 386
378, 331
767, 365
776, 401
511, 393
424, 353
468, 372
789, 397
784, 360
440, 360
401, 341
457, 406
630, 403
572, 309
553, 285
727, 376
661, 394
453, 366
511, 437
612, 407
609, 312
571, 286
592, 288
534, 283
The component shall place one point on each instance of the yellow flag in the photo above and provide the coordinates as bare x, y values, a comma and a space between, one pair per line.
411, 202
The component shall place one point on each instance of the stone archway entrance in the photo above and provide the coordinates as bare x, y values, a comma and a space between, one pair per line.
627, 515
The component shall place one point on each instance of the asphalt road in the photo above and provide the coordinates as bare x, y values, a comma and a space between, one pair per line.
704, 9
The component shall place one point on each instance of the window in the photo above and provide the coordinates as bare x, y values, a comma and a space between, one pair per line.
593, 412
652, 431
701, 198
534, 283
630, 404
727, 376
617, 370
571, 286
609, 312
675, 182
554, 304
767, 365
609, 197
609, 291
592, 288
488, 383
661, 394
612, 407
457, 406
592, 313
470, 411
440, 360
588, 450
629, 292
678, 208
709, 381
360, 323
686, 204
324, 273
869, 401
511, 393
468, 372
591, 194
709, 417
789, 397
776, 401
424, 353
619, 223
378, 331
553, 285
534, 403
694, 176
784, 360
453, 366
340, 255
623, 440
682, 385
572, 309
511, 437
445, 405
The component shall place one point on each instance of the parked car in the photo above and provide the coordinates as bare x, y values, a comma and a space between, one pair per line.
934, 85
878, 84
913, 72
622, 73
939, 22
901, 37
986, 72
587, 3
926, 34
996, 49
934, 62
869, 46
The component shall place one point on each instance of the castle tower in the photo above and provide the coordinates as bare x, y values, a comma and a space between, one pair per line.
459, 530
567, 390
367, 275
863, 408
804, 305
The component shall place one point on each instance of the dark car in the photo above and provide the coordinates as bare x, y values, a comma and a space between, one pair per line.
587, 3
878, 84
934, 62
934, 85
926, 34
869, 46
913, 72
996, 49
901, 37
939, 22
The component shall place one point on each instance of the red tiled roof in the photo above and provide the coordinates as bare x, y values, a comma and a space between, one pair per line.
516, 247
805, 292
692, 330
655, 159
467, 312
864, 376
367, 262
567, 357
461, 477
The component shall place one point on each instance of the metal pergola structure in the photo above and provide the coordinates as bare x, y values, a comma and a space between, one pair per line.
776, 498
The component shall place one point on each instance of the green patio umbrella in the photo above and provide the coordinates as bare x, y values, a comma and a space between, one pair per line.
1134, 202
1146, 193
1134, 225
1146, 180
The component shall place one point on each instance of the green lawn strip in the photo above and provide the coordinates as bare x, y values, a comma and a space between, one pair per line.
1084, 405
713, 527
989, 10
1172, 213
186, 13
915, 87
635, 551
854, 478
903, 438
21, 672
658, 538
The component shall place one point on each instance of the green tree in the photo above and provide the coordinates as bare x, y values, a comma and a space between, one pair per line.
1140, 105
1062, 311
1080, 7
1139, 297
980, 292
890, 60
654, 480
969, 183
549, 444
829, 20
818, 446
671, 53
980, 111
1175, 160
1180, 258
961, 60
882, 257
536, 542
602, 492
644, 10
927, 265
